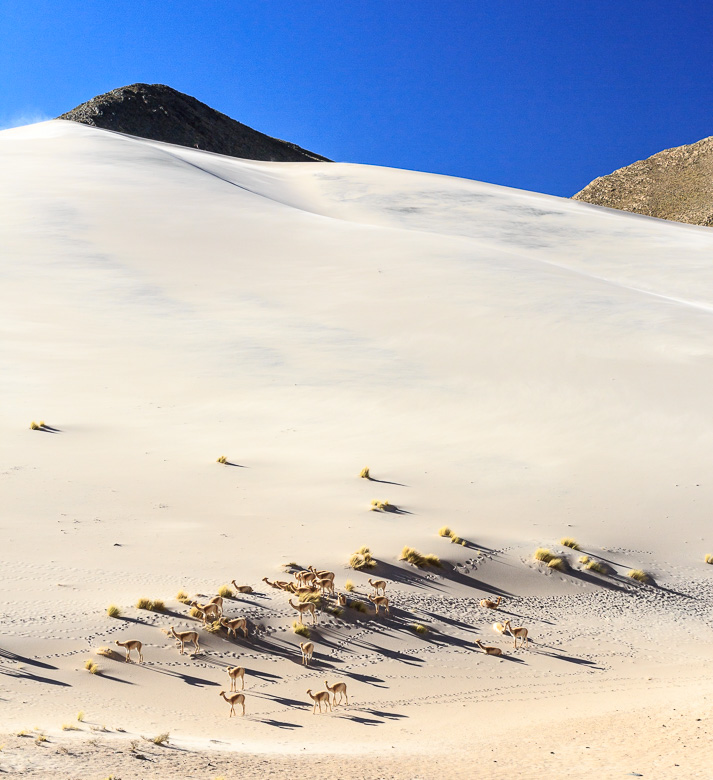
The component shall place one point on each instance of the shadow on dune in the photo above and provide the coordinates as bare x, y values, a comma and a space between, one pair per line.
386, 482
235, 465
279, 724
572, 659
26, 675
187, 678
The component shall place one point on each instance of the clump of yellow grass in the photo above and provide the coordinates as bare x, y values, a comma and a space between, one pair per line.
639, 575
362, 559
567, 541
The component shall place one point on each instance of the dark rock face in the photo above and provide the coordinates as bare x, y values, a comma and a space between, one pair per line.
160, 113
675, 184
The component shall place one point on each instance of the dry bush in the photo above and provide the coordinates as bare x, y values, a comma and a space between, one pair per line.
183, 597
584, 559
639, 575
362, 559
419, 628
225, 591
107, 652
301, 629
709, 558
157, 605
221, 459
358, 606
310, 598
80, 715
599, 568
91, 666
349, 586
143, 603
557, 563
567, 541
159, 739
543, 554
113, 611
445, 531
69, 727
364, 473
414, 557
34, 426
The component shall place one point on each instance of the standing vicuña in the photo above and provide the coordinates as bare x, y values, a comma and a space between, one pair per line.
129, 645
211, 611
519, 632
488, 604
307, 649
338, 688
378, 585
185, 636
235, 624
233, 699
325, 585
307, 606
380, 601
318, 698
234, 672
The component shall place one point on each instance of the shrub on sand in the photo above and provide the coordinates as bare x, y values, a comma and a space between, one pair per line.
543, 554
157, 605
349, 586
183, 597
91, 666
414, 557
709, 558
598, 567
225, 591
362, 559
143, 603
107, 652
566, 541
310, 598
69, 727
584, 559
159, 739
638, 575
195, 612
358, 606
34, 426
221, 459
445, 531
113, 611
80, 715
301, 629
419, 628
364, 473
557, 563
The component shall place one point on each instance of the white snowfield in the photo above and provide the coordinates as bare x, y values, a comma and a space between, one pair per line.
516, 366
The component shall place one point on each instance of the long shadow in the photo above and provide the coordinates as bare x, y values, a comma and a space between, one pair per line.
48, 429
449, 572
235, 465
380, 714
364, 721
386, 482
365, 678
280, 724
24, 659
511, 658
34, 677
285, 702
106, 676
404, 576
450, 621
394, 510
187, 678
574, 660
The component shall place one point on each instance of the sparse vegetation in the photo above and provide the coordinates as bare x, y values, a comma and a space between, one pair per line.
358, 606
349, 586
40, 739
225, 591
80, 715
34, 426
336, 611
584, 559
639, 575
195, 612
143, 603
91, 666
214, 627
157, 605
364, 473
419, 628
183, 597
557, 563
69, 727
412, 556
310, 598
362, 559
113, 611
543, 555
107, 652
709, 558
22, 733
598, 567
382, 506
445, 531
566, 541
160, 739
300, 629
222, 459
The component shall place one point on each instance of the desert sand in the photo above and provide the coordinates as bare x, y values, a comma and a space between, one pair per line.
518, 367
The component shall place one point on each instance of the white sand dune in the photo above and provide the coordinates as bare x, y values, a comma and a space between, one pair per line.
517, 366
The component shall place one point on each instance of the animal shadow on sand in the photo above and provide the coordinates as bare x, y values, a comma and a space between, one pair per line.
24, 674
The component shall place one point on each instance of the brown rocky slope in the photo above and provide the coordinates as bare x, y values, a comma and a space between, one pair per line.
161, 113
675, 184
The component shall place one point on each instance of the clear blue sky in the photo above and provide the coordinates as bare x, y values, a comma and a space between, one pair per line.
542, 95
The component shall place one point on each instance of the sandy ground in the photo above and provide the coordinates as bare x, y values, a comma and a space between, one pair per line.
518, 367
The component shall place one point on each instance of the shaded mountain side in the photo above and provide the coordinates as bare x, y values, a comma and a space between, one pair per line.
675, 184
161, 113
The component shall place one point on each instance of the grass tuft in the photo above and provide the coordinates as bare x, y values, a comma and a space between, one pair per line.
214, 627
419, 628
638, 575
69, 727
557, 563
157, 605
221, 459
432, 560
183, 597
160, 739
364, 473
80, 715
195, 612
362, 559
91, 666
300, 629
40, 738
143, 603
113, 611
543, 554
414, 557
598, 567
709, 558
107, 652
349, 586
584, 559
566, 541
445, 531
225, 591
34, 426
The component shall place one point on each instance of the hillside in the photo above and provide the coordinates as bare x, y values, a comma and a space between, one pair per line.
518, 367
675, 184
161, 113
